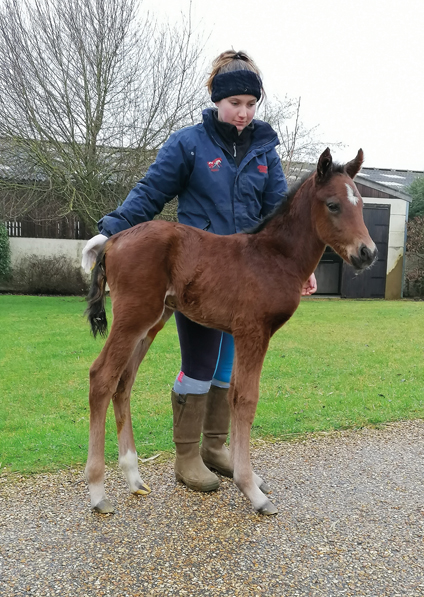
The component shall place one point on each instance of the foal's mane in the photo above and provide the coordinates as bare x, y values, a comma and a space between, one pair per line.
285, 204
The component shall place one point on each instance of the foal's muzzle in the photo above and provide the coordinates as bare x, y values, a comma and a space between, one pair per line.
364, 258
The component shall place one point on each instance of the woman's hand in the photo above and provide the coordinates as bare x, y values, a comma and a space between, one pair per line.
310, 286
91, 250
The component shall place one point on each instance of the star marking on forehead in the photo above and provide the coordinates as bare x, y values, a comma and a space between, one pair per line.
351, 195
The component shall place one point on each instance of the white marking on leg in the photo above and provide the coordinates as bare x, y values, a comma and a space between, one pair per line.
351, 195
129, 466
251, 491
97, 493
257, 479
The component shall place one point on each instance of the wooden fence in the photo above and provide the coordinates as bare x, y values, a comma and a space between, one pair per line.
69, 227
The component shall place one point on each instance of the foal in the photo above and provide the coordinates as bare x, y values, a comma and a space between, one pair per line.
248, 285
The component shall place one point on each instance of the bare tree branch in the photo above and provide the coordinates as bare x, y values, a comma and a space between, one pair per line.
298, 144
89, 91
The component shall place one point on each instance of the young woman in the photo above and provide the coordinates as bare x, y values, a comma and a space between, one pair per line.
227, 176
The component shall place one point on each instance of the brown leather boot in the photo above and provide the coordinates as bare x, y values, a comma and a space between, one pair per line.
216, 424
189, 411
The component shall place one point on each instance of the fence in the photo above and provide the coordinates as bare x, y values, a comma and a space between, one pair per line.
69, 227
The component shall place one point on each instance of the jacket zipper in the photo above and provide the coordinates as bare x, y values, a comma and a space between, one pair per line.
261, 147
235, 150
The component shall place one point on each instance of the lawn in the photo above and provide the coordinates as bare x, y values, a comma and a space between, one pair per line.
335, 365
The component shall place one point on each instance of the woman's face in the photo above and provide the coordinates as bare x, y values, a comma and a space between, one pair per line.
238, 110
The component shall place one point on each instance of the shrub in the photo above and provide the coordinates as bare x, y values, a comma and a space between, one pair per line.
416, 190
414, 279
5, 264
49, 275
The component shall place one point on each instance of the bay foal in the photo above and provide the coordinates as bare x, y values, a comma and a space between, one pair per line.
248, 285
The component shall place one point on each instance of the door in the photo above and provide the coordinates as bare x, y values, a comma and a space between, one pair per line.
329, 273
371, 283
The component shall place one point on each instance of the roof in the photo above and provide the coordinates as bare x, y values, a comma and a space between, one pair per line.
383, 181
395, 179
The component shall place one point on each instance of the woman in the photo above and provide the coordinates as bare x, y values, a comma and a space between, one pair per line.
227, 176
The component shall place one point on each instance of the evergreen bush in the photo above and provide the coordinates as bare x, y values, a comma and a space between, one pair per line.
414, 279
5, 263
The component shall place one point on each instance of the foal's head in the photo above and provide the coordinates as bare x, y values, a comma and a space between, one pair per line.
337, 212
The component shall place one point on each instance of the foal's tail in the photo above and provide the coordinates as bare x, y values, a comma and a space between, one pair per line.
96, 313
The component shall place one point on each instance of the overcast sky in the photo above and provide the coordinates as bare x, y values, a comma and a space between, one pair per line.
358, 65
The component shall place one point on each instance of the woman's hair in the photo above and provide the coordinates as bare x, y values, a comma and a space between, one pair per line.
230, 61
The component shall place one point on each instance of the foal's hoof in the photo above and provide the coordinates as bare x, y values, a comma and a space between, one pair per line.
104, 507
143, 489
265, 488
268, 509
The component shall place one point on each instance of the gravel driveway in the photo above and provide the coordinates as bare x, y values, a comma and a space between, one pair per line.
351, 522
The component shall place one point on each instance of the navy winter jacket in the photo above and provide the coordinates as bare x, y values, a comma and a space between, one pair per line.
213, 193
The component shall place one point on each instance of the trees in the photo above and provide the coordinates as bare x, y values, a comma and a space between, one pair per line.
415, 239
415, 248
298, 144
416, 190
89, 91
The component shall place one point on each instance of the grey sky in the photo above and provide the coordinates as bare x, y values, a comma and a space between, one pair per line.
357, 65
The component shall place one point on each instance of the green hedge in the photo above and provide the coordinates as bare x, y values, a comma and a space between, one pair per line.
5, 264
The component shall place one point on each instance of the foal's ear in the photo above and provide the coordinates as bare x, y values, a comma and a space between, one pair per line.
352, 168
324, 166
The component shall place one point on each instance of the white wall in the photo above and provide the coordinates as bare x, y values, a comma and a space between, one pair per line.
46, 247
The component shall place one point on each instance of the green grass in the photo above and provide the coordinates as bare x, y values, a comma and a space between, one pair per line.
335, 365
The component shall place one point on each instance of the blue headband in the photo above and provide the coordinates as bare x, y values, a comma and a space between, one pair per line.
237, 82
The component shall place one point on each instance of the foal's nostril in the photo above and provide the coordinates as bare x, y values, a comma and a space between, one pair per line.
364, 253
367, 256
364, 258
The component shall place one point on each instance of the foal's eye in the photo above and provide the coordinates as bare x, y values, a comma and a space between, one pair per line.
334, 208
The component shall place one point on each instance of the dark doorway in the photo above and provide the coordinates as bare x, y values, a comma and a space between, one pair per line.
372, 282
335, 277
329, 273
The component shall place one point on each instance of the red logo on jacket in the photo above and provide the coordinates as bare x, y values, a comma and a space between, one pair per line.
263, 169
215, 164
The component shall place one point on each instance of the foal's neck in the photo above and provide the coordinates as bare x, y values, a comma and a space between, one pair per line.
293, 234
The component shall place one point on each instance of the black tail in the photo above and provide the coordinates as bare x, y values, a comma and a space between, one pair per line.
96, 297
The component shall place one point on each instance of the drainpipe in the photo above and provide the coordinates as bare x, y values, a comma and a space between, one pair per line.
404, 251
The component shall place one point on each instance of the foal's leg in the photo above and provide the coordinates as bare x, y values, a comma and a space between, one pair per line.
243, 398
263, 486
105, 374
128, 460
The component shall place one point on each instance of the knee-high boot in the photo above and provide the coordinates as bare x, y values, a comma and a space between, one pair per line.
188, 413
216, 424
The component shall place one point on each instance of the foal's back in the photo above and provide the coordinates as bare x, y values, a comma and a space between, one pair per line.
217, 281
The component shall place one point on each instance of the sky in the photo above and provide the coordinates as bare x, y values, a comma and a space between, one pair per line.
357, 65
